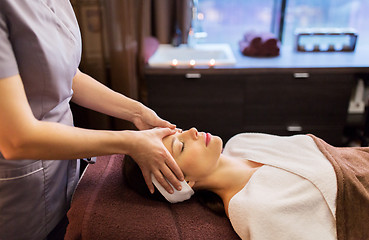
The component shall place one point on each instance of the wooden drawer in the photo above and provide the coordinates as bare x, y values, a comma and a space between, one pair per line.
286, 104
282, 100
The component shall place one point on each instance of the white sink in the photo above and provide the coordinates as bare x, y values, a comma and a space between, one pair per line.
199, 55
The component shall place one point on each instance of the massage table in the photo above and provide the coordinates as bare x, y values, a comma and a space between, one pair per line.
103, 207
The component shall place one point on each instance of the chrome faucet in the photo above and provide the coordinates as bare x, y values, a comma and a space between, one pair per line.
195, 32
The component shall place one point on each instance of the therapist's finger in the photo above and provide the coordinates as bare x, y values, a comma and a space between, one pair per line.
160, 178
170, 177
173, 166
170, 125
163, 132
164, 124
170, 162
147, 176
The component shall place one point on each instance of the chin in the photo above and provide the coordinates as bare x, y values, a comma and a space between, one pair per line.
219, 143
218, 139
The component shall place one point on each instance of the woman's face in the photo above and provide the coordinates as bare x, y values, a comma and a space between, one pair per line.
196, 153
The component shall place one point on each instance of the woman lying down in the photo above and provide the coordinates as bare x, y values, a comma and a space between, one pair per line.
271, 187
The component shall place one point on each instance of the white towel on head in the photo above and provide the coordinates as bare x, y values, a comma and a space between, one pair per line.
177, 196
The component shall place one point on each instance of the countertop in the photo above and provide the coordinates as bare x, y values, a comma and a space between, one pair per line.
289, 59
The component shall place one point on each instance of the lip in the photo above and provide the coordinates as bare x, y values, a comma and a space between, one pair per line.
207, 138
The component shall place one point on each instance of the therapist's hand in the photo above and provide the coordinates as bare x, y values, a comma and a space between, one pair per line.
148, 119
152, 156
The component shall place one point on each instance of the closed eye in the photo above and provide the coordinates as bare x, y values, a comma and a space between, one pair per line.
182, 146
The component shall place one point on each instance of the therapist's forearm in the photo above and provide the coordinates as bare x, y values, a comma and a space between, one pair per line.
91, 94
48, 140
22, 136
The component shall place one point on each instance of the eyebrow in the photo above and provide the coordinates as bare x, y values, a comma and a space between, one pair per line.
173, 139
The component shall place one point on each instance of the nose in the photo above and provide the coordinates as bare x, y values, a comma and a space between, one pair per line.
193, 132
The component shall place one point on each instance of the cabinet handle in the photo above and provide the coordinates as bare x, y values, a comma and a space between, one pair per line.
193, 75
301, 75
294, 128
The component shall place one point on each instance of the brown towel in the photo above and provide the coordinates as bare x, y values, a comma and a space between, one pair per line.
103, 207
352, 170
259, 44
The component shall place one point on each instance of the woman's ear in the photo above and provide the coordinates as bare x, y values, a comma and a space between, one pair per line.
190, 183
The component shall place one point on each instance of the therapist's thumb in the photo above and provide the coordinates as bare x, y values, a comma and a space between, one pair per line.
163, 132
165, 124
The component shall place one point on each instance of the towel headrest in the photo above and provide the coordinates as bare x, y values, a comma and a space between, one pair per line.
177, 196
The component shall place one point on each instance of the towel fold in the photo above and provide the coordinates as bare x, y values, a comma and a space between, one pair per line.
177, 196
352, 170
262, 44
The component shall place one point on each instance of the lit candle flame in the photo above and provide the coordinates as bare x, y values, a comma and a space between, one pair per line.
174, 62
212, 62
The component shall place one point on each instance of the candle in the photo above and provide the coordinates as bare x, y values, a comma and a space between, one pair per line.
174, 62
212, 62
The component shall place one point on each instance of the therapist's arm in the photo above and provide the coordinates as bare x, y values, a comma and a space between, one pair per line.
22, 136
91, 94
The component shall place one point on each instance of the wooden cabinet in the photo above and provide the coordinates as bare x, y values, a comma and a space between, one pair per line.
225, 104
212, 103
298, 102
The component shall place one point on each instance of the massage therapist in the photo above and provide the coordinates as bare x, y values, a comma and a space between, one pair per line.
40, 50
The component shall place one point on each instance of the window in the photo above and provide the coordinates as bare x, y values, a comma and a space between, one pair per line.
326, 14
226, 21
